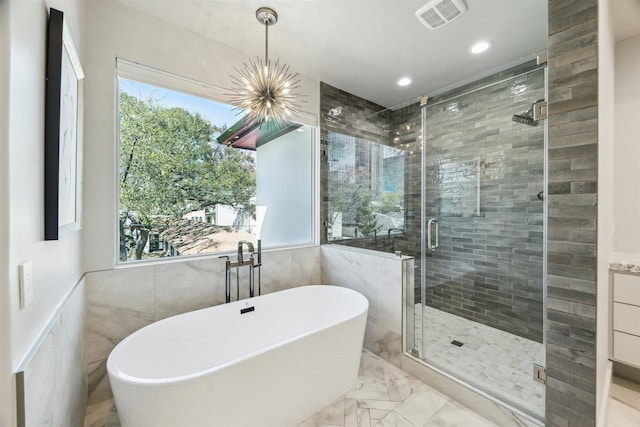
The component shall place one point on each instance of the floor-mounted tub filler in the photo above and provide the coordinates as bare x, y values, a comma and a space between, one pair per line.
269, 361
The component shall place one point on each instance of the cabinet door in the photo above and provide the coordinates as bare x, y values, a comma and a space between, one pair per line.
626, 318
626, 289
626, 348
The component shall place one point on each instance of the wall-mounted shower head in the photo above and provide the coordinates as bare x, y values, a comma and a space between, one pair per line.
525, 118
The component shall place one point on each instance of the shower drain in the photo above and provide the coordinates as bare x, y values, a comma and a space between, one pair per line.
457, 343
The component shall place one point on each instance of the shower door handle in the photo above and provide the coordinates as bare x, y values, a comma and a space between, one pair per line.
432, 226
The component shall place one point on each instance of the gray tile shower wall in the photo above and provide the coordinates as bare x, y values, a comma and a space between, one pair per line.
573, 181
489, 266
483, 175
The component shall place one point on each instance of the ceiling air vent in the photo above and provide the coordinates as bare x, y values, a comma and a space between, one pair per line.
437, 13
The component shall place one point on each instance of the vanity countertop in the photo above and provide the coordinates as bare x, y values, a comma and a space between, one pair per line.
625, 262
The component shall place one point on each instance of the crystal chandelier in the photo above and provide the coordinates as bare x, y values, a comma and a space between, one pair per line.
265, 91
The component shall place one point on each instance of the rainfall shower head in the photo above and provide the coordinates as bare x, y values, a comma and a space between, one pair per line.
525, 118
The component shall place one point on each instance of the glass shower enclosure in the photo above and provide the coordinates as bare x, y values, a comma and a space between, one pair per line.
476, 311
456, 181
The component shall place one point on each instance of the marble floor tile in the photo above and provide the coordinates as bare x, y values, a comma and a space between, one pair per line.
625, 391
394, 420
489, 358
622, 415
102, 415
364, 417
624, 403
383, 396
453, 414
420, 407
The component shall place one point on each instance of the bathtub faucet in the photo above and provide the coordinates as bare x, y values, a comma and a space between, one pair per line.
241, 244
241, 262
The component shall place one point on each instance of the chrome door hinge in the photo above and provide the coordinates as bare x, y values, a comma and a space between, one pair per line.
540, 110
415, 352
539, 373
542, 58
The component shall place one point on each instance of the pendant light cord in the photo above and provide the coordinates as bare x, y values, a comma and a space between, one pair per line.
266, 41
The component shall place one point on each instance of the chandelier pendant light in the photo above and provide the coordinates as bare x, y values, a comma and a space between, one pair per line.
264, 91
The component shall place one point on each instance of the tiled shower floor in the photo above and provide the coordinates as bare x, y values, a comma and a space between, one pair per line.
491, 359
384, 396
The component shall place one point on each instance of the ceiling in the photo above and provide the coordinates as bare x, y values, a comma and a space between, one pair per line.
365, 46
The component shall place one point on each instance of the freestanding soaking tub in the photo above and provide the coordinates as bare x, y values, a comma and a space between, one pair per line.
269, 361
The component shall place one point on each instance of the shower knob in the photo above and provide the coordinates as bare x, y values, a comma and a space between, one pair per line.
541, 195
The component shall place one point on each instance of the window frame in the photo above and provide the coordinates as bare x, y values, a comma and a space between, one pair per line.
131, 70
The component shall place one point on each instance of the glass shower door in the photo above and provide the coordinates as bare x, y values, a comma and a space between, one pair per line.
482, 291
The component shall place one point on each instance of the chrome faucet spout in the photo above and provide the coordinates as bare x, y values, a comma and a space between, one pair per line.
241, 244
240, 262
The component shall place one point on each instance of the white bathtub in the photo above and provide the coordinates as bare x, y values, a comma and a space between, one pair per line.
272, 367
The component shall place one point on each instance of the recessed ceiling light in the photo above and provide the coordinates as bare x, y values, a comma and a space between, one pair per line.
481, 46
404, 81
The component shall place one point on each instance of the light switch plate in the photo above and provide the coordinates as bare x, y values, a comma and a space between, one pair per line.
26, 283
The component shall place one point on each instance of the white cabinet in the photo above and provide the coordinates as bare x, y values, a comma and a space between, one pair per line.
625, 315
626, 288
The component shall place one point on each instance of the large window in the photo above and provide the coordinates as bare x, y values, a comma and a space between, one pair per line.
184, 191
365, 188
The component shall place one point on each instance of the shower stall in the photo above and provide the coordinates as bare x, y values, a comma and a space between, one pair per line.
466, 171
477, 310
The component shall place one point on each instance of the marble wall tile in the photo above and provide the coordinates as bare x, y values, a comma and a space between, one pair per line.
52, 383
276, 271
187, 286
379, 277
388, 282
99, 388
290, 268
306, 265
119, 303
352, 269
383, 342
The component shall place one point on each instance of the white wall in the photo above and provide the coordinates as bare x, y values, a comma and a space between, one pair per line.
115, 30
627, 146
56, 265
6, 407
606, 49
